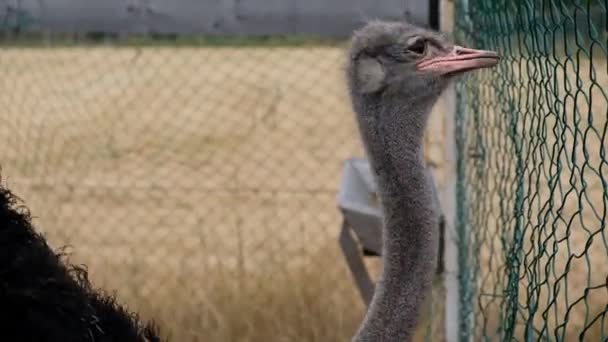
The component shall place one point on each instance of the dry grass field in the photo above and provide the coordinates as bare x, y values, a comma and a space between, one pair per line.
197, 183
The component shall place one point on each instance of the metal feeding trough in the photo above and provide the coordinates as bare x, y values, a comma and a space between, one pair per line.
361, 234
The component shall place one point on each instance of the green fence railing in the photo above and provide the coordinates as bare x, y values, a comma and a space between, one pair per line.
533, 172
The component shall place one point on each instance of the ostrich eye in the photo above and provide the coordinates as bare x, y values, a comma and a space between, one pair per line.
417, 46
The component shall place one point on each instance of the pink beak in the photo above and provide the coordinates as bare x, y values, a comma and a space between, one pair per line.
459, 60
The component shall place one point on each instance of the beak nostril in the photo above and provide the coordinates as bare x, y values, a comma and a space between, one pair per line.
458, 51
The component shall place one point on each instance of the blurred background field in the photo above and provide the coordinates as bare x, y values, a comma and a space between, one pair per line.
197, 182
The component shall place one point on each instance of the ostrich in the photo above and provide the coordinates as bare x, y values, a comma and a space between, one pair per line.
395, 73
45, 299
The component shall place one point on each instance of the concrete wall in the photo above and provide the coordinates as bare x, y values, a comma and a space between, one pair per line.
335, 18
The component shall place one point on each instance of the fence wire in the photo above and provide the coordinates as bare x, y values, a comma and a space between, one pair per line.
533, 172
199, 182
195, 177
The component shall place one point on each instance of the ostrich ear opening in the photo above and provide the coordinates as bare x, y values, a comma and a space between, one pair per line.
370, 75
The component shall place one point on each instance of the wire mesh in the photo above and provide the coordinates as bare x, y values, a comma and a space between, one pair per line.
196, 178
198, 182
532, 188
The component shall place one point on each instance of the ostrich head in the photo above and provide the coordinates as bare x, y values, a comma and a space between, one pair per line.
409, 62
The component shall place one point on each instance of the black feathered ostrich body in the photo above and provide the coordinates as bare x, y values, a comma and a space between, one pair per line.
396, 72
45, 299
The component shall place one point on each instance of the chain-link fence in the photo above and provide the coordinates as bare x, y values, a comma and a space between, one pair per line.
533, 172
197, 178
197, 181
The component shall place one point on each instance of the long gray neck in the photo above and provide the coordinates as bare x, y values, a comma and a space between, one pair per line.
392, 133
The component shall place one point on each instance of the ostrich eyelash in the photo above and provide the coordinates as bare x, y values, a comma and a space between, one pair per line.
419, 47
